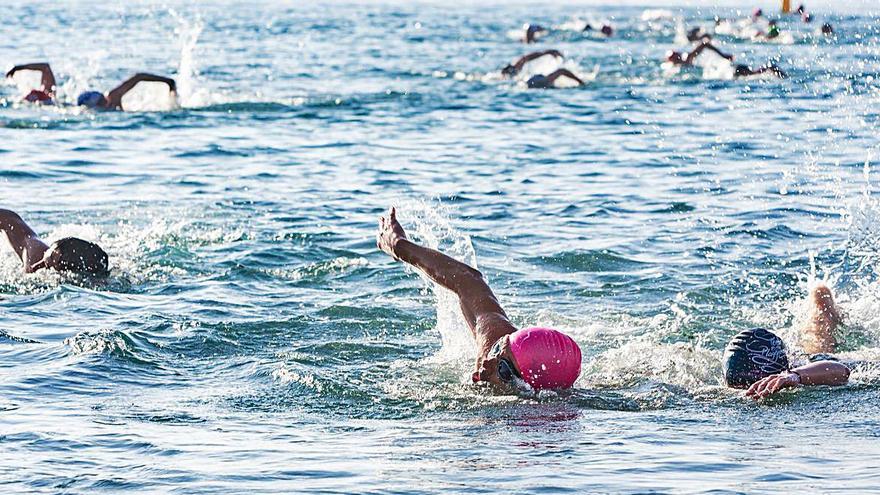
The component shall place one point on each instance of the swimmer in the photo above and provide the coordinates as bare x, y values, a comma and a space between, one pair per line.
756, 359
69, 254
515, 68
827, 30
542, 357
90, 99
698, 34
607, 30
740, 70
45, 95
757, 14
772, 31
688, 58
113, 99
540, 81
532, 32
805, 16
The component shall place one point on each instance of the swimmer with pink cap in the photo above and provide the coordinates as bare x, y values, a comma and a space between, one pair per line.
544, 358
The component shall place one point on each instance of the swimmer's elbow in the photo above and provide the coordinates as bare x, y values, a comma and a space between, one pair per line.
474, 274
8, 217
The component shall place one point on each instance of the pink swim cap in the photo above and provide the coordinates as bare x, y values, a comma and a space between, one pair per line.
546, 358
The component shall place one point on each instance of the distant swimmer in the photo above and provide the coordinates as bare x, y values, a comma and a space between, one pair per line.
805, 16
757, 15
688, 58
772, 31
511, 70
533, 31
827, 30
113, 99
541, 81
69, 254
91, 99
542, 357
698, 34
740, 70
607, 30
757, 359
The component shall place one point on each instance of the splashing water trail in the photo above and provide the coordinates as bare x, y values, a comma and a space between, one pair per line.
432, 227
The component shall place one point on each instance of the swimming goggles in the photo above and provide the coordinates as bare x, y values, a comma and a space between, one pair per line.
506, 369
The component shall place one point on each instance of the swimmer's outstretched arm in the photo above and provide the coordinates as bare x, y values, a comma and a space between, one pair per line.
514, 68
47, 79
563, 72
532, 56
485, 317
703, 46
24, 241
114, 98
819, 373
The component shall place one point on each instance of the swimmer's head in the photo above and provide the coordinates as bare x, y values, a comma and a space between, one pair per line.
827, 29
607, 30
74, 255
531, 31
757, 13
752, 355
37, 96
91, 99
542, 357
674, 57
546, 358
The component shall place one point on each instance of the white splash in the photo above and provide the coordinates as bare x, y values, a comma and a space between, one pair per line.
428, 224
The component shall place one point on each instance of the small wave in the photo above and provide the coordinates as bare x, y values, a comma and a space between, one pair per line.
588, 261
6, 336
320, 270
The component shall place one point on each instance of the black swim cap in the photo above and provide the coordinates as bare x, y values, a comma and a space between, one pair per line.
752, 355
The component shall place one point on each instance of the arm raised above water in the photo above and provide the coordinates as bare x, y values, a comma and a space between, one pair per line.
482, 312
114, 97
24, 241
47, 79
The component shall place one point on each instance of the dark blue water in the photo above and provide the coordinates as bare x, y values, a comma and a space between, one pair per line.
252, 339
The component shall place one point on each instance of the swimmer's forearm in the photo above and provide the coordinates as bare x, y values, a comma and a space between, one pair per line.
17, 232
442, 269
40, 66
823, 373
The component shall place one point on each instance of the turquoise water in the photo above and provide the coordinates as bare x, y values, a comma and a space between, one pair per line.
251, 339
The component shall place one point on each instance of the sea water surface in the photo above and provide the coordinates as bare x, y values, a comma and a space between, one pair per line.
251, 338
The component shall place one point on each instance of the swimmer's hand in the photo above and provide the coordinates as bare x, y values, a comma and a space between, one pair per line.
390, 233
769, 385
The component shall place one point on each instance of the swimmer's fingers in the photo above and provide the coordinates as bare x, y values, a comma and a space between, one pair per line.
770, 386
755, 390
761, 388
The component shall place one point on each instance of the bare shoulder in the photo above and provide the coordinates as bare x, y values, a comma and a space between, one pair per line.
491, 327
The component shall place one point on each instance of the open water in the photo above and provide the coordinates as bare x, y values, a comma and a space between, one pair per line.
251, 339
